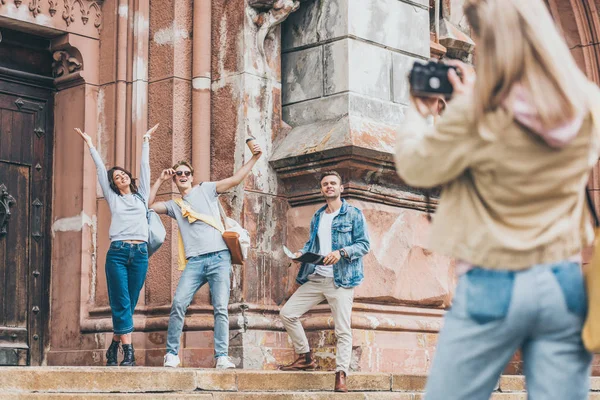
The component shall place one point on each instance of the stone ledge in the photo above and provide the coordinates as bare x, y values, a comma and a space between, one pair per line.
408, 383
147, 382
106, 396
512, 383
212, 380
271, 381
95, 379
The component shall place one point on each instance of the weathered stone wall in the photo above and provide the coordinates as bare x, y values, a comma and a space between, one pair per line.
336, 73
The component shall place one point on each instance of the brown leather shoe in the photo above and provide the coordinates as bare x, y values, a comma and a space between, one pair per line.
340, 382
304, 362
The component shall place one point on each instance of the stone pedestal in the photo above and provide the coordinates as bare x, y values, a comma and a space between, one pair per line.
344, 84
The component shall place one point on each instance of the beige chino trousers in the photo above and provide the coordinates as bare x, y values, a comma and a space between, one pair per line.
307, 296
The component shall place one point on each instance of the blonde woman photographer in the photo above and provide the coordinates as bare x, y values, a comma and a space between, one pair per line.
512, 152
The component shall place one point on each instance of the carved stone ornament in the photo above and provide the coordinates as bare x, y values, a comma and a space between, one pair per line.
64, 64
72, 9
270, 14
84, 8
52, 9
35, 7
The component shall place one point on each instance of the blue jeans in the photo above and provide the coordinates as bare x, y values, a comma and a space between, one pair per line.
126, 268
214, 269
540, 310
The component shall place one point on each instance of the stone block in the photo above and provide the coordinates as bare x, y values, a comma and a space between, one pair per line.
595, 384
359, 67
216, 380
391, 23
398, 25
369, 382
389, 396
381, 111
95, 380
264, 217
290, 396
276, 381
401, 66
314, 22
512, 383
105, 396
322, 109
336, 106
302, 75
408, 383
336, 61
410, 273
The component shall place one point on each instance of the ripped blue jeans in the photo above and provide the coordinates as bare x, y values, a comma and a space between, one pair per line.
540, 311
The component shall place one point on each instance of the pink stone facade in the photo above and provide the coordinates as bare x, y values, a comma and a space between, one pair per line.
145, 62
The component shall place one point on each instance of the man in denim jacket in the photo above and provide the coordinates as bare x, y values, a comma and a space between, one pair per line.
338, 232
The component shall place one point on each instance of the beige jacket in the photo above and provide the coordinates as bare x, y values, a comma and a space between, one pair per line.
509, 200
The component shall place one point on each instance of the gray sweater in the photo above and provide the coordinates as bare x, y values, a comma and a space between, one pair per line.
128, 212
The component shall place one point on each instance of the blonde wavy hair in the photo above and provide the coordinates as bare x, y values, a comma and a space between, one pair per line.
518, 42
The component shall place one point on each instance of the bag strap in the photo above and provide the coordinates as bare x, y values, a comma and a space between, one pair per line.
595, 112
198, 216
222, 213
139, 196
590, 203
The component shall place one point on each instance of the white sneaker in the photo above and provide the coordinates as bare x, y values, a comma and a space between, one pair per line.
224, 362
171, 360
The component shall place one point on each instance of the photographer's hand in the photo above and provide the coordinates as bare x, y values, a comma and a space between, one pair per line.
467, 82
427, 106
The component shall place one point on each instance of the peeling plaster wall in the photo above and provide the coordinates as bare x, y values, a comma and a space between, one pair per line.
246, 97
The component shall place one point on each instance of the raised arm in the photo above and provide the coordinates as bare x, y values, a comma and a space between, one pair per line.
159, 207
428, 156
100, 167
237, 178
144, 187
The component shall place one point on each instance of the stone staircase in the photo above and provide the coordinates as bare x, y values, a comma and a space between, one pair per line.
209, 384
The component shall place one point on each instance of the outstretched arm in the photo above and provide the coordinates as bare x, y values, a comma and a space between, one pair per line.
237, 178
144, 187
100, 168
159, 207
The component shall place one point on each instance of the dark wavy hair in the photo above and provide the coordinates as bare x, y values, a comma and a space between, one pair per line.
113, 186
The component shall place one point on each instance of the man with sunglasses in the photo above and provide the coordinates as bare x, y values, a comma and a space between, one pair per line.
207, 256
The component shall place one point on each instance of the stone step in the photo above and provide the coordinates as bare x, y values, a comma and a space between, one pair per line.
247, 396
169, 383
156, 379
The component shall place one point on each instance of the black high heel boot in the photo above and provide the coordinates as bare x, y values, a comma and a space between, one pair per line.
111, 354
128, 355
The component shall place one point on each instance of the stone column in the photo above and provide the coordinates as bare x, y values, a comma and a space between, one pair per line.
246, 85
345, 66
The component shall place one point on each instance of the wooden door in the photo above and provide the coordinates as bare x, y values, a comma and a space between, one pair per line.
25, 200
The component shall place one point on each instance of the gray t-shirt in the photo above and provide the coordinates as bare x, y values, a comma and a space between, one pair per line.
128, 212
198, 237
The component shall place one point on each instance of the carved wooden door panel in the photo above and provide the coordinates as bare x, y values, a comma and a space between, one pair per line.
25, 163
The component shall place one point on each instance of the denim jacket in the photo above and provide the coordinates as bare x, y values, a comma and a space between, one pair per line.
349, 232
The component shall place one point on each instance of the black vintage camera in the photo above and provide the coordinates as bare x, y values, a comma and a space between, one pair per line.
431, 79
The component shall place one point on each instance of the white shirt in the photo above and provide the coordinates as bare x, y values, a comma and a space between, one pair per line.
324, 234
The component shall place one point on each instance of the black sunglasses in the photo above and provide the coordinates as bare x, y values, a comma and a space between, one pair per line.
187, 173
